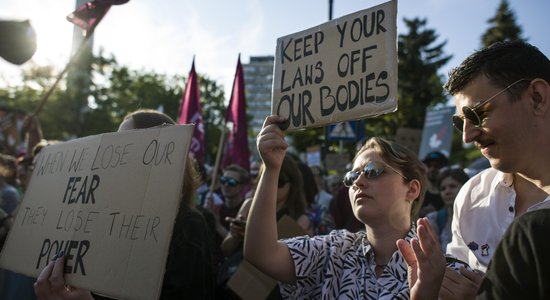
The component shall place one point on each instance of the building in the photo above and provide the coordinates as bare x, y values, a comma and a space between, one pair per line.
258, 80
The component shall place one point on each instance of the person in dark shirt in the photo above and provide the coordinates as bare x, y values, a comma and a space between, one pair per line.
520, 266
434, 161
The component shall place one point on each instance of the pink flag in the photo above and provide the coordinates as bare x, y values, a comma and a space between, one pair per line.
236, 148
190, 112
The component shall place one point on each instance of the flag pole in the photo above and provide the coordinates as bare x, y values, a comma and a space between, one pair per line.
218, 159
60, 76
221, 144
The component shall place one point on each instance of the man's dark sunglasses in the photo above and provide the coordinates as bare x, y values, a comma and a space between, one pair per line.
473, 115
229, 181
371, 170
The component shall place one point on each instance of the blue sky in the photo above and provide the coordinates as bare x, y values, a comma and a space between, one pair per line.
164, 35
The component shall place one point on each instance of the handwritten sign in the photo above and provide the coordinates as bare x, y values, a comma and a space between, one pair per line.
109, 202
341, 70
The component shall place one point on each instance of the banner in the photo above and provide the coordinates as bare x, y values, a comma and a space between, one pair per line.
190, 113
437, 134
345, 69
236, 148
109, 202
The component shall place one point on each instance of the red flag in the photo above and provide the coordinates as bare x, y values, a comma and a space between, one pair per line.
190, 112
236, 148
90, 13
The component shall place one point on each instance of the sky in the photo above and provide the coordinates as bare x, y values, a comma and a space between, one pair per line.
164, 35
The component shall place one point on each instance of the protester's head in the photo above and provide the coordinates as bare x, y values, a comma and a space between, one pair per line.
147, 118
41, 145
290, 188
8, 169
11, 163
502, 63
309, 187
501, 94
234, 180
254, 171
449, 181
434, 161
319, 176
396, 186
144, 118
25, 167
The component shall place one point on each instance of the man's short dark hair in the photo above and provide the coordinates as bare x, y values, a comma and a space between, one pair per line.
244, 176
502, 63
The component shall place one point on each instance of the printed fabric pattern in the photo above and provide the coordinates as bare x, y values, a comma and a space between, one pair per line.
341, 265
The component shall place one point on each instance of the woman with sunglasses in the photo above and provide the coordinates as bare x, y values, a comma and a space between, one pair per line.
386, 189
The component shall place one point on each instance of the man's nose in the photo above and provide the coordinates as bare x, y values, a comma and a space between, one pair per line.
470, 133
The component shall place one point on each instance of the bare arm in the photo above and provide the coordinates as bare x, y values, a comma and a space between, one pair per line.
261, 247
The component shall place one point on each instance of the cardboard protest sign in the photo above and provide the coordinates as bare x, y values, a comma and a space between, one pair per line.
109, 202
250, 283
341, 70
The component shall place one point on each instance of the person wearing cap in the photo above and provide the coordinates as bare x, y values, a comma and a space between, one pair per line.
434, 161
502, 95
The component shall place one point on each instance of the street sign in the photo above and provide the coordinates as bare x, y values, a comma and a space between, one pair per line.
437, 134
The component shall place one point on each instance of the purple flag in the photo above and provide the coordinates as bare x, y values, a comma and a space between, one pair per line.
236, 148
88, 15
190, 112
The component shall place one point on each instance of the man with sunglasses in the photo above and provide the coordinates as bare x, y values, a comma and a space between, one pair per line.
502, 95
233, 182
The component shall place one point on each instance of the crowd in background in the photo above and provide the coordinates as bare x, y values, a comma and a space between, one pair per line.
318, 202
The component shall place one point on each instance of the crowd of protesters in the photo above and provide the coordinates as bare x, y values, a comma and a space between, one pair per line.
394, 226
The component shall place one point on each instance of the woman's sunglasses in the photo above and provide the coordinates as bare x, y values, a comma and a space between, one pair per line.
229, 181
371, 170
473, 115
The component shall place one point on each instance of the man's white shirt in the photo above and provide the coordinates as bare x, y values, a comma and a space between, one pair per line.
483, 210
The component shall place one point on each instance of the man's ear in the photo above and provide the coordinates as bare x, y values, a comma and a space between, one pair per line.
539, 93
414, 190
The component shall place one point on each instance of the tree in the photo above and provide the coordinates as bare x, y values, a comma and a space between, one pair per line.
213, 114
117, 90
502, 27
114, 90
419, 84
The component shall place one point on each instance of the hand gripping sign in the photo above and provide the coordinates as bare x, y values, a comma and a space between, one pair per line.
109, 202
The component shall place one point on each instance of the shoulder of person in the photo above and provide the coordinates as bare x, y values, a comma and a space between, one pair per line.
485, 176
534, 222
9, 190
432, 217
479, 187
